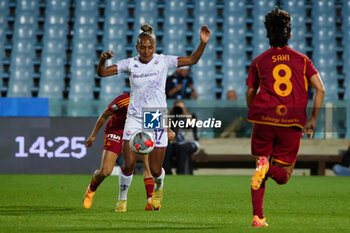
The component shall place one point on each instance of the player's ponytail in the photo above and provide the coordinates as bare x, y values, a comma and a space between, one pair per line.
147, 30
278, 27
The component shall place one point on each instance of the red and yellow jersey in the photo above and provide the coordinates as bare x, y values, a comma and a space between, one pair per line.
118, 107
282, 76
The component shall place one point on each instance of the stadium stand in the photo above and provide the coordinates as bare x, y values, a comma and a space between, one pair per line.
235, 47
346, 44
21, 67
84, 50
324, 44
260, 9
175, 27
54, 49
297, 9
115, 28
204, 71
3, 18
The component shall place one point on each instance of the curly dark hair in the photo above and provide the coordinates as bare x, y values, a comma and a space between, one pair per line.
278, 27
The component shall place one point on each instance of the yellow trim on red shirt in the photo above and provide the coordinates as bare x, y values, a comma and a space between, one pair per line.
123, 101
122, 105
305, 79
259, 75
275, 124
281, 162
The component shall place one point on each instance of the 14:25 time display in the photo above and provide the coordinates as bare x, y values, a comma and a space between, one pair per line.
64, 147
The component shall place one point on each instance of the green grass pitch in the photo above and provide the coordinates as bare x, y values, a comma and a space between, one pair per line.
53, 203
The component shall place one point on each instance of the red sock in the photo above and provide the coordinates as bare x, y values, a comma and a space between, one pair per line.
149, 185
278, 174
258, 200
93, 185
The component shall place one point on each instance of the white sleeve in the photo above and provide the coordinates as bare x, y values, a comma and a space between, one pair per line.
123, 65
171, 61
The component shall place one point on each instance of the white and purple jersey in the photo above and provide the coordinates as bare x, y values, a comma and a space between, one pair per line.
147, 81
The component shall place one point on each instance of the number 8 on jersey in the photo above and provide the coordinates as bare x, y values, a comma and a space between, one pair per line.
280, 80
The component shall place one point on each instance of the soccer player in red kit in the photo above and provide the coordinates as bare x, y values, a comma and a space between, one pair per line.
278, 109
112, 148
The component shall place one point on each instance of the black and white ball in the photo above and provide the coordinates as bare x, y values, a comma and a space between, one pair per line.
142, 142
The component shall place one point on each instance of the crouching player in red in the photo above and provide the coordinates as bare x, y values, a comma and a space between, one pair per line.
278, 110
112, 148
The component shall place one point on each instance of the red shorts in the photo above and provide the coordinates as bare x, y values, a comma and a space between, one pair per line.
113, 143
282, 143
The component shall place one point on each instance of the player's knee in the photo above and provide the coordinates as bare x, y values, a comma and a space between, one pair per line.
127, 170
156, 172
284, 179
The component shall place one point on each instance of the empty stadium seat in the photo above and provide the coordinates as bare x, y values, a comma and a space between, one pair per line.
115, 5
57, 5
27, 5
20, 88
79, 107
51, 88
83, 74
111, 87
54, 46
81, 90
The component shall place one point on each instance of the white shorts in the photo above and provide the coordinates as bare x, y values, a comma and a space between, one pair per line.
132, 124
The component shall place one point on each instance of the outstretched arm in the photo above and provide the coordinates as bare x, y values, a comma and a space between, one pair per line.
99, 123
194, 57
104, 71
317, 84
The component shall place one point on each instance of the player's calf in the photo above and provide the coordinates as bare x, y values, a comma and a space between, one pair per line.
278, 174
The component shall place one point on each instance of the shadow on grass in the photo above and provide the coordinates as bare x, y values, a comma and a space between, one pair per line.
141, 228
28, 210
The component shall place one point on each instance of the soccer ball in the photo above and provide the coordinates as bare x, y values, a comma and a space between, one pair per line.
142, 142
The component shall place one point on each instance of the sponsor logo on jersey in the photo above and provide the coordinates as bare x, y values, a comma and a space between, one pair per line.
136, 66
113, 137
145, 75
152, 119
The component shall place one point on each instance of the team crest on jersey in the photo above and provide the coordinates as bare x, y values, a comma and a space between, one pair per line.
114, 107
136, 66
152, 119
128, 133
156, 62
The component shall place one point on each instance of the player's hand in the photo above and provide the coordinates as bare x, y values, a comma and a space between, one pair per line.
90, 141
309, 128
107, 55
205, 34
171, 134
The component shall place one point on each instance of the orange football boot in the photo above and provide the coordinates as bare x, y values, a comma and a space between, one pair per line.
149, 205
87, 200
257, 222
260, 173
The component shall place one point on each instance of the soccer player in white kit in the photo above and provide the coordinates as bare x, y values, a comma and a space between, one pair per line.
147, 75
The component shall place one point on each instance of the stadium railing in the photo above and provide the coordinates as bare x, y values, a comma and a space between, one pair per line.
316, 155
